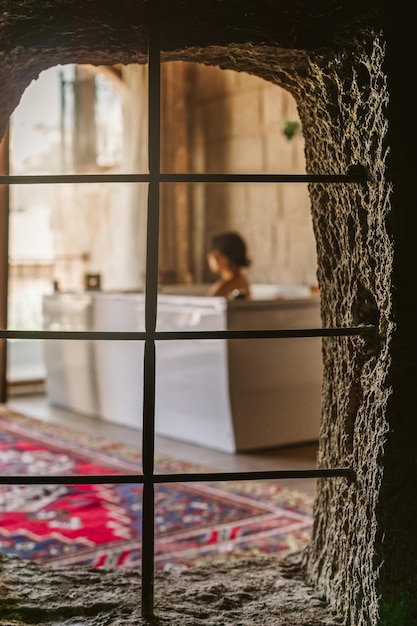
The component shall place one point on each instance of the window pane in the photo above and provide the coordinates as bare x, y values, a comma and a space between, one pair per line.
70, 120
71, 238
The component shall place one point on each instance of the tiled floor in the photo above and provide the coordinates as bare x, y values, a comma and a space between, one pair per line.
290, 457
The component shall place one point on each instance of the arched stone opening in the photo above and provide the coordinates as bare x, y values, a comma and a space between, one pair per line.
362, 553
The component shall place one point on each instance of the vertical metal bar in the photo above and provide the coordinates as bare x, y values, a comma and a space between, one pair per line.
4, 261
148, 500
151, 295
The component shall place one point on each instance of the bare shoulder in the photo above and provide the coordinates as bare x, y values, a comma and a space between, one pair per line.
220, 288
226, 287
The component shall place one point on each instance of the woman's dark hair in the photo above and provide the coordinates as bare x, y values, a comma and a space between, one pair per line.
232, 246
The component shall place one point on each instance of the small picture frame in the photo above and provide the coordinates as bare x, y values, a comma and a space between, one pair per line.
92, 282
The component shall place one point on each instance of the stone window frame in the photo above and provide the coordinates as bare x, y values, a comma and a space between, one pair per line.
150, 336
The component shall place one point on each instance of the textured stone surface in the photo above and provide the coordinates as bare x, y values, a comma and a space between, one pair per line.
253, 593
355, 263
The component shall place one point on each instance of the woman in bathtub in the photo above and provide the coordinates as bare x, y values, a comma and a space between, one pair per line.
227, 257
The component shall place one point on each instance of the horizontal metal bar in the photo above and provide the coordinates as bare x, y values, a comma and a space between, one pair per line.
265, 333
95, 335
75, 335
258, 475
52, 179
177, 478
260, 178
104, 479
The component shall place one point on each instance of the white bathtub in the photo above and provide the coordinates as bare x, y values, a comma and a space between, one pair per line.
229, 395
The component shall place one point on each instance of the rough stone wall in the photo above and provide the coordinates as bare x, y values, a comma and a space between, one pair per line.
264, 590
363, 552
355, 274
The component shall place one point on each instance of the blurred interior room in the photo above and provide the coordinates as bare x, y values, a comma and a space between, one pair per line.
77, 256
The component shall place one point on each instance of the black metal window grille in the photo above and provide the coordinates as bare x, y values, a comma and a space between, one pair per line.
154, 178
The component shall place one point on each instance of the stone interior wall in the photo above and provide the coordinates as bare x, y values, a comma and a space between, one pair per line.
221, 121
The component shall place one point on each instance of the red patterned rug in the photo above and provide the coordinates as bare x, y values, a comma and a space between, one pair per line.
100, 525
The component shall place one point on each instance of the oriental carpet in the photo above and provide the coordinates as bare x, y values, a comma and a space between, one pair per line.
100, 525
